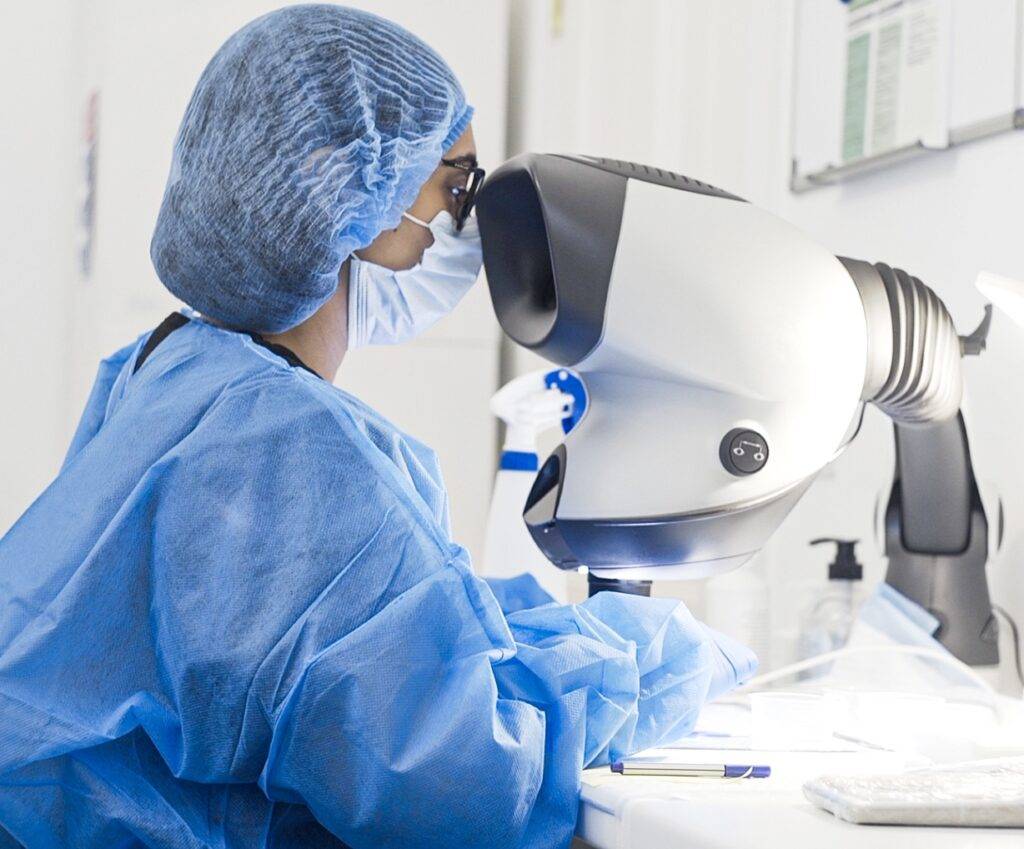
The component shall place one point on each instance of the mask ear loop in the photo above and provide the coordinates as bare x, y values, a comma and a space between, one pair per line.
415, 220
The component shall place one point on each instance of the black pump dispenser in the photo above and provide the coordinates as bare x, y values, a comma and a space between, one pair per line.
845, 567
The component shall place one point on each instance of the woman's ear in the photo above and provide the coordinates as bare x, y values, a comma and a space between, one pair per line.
398, 249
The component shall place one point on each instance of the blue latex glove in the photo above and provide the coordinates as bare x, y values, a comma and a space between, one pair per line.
732, 663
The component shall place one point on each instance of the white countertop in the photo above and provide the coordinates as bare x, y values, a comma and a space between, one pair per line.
637, 812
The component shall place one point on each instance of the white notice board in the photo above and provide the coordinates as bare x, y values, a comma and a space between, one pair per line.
877, 81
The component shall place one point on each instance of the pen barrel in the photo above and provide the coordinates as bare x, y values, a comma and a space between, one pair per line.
693, 770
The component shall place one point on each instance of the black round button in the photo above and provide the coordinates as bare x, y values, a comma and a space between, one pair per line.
743, 452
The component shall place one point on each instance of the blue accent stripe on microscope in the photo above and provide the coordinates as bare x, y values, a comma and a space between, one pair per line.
519, 461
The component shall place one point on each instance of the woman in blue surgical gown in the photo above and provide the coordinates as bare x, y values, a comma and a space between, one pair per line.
237, 617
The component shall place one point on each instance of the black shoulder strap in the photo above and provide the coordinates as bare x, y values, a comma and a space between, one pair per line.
166, 328
286, 354
176, 320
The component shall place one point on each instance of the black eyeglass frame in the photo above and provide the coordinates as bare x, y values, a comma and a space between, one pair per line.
476, 177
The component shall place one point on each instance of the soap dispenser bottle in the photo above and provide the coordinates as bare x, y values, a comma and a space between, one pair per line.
826, 624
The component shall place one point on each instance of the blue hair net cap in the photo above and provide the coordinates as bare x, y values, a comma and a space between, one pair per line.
310, 132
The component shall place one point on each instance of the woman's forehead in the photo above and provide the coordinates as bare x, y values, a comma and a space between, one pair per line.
463, 147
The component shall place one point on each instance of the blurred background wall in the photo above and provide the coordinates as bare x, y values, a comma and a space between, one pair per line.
38, 147
706, 89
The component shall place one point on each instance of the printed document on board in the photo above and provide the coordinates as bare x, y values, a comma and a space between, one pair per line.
897, 76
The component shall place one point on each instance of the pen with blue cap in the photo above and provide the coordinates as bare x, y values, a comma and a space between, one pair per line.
677, 770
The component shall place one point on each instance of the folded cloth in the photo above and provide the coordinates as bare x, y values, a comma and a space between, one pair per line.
987, 793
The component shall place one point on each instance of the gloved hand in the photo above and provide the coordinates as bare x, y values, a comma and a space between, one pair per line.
733, 663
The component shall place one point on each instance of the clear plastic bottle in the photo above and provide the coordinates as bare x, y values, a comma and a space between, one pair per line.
528, 405
826, 624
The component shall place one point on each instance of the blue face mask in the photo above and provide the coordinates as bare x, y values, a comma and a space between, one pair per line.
387, 307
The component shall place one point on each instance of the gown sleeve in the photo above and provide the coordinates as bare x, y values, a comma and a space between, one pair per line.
439, 724
520, 592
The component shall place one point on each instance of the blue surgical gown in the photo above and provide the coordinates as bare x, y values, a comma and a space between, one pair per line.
237, 619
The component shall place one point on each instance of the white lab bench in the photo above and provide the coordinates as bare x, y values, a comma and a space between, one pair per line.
643, 812
638, 812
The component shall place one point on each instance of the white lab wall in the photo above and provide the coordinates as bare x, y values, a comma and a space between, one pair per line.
38, 149
144, 59
705, 89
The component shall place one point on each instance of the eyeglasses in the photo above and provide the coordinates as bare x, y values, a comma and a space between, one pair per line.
465, 197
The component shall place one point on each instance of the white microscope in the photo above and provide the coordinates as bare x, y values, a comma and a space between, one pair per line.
727, 359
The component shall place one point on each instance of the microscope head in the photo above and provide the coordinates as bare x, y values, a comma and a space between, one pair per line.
726, 355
